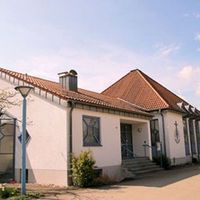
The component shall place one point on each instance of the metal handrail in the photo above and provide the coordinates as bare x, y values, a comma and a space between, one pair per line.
127, 149
147, 145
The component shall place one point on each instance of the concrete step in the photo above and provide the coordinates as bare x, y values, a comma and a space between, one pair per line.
149, 171
135, 161
137, 158
139, 167
138, 164
135, 169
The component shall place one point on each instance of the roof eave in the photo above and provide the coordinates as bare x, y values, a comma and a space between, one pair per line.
113, 108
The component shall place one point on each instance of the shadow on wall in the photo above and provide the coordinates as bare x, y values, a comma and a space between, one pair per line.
31, 176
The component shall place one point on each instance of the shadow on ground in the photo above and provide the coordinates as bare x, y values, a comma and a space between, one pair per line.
158, 179
165, 177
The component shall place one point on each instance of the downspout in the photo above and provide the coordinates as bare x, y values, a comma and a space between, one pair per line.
163, 125
71, 105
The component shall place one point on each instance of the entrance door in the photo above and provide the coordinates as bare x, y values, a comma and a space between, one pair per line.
154, 137
126, 141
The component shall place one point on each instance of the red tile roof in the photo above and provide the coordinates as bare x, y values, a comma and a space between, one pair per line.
138, 88
81, 96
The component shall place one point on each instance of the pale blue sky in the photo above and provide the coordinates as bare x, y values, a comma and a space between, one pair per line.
103, 40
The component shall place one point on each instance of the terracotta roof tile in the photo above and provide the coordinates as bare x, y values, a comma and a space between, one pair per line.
81, 96
169, 97
139, 89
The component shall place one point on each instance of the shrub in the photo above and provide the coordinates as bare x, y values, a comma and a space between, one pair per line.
6, 192
14, 194
83, 169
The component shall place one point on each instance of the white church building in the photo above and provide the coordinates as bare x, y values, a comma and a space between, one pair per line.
126, 121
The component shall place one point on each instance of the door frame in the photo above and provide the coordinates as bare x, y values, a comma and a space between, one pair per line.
127, 147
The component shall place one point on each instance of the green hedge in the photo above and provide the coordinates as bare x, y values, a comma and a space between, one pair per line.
82, 169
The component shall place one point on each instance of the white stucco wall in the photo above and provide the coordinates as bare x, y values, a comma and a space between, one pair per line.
139, 136
176, 151
109, 154
48, 126
46, 150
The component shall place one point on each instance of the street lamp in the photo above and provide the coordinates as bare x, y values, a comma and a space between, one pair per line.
24, 91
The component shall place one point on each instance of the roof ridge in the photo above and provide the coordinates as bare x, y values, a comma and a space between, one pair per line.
26, 74
93, 96
118, 80
132, 104
143, 74
96, 98
154, 89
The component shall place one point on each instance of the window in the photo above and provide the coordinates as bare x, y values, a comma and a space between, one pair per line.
91, 131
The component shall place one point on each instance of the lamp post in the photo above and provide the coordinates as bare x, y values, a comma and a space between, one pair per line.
24, 91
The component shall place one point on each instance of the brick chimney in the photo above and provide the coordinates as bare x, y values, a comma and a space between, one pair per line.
69, 80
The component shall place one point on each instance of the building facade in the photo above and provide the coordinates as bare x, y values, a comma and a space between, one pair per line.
121, 123
175, 122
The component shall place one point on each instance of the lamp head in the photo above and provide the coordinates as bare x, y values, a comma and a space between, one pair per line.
24, 90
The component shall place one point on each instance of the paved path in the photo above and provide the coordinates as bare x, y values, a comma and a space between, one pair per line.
175, 184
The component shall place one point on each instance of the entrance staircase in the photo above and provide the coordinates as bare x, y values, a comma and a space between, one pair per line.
139, 167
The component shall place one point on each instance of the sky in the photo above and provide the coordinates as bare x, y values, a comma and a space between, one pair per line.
103, 40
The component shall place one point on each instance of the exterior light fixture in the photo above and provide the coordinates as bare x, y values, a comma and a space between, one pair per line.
24, 91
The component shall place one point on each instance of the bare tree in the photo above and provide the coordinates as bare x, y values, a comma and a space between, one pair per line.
7, 100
